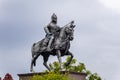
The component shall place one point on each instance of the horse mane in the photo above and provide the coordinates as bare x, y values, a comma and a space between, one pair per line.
62, 31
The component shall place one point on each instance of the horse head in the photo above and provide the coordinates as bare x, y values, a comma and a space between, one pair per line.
66, 35
70, 30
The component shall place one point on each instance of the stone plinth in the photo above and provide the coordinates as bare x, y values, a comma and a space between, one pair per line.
73, 75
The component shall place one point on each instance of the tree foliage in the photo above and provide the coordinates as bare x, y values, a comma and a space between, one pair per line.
51, 76
76, 67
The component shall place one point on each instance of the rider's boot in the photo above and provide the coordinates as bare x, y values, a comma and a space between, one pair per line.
44, 45
49, 44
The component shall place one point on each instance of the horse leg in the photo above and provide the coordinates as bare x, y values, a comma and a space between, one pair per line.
45, 58
31, 68
33, 62
69, 53
59, 58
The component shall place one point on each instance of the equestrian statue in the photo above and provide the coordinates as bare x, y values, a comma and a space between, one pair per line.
56, 43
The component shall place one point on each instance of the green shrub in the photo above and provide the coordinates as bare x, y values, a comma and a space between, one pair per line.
51, 76
76, 67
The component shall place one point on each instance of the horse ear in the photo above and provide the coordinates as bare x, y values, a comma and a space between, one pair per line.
74, 26
72, 22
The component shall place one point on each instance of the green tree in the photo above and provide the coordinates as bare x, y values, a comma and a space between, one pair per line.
51, 76
76, 67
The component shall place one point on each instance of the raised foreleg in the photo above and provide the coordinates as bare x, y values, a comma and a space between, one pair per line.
69, 53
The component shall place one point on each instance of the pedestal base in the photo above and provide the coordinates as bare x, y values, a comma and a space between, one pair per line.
73, 75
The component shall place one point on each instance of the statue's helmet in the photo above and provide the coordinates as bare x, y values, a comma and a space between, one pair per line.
54, 17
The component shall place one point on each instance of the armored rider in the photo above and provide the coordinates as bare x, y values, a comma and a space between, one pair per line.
50, 31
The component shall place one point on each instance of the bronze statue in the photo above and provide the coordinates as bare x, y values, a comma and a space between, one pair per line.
51, 30
56, 42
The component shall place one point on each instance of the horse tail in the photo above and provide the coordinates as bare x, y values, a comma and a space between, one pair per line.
33, 54
33, 51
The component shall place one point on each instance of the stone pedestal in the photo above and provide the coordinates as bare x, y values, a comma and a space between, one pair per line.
73, 75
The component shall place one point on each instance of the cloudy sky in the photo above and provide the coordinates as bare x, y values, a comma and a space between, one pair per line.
97, 33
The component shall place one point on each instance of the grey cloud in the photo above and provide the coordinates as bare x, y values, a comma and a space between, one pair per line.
96, 32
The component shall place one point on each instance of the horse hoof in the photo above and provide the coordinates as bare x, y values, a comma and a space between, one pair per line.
32, 71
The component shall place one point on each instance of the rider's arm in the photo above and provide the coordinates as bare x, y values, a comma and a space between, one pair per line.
58, 28
46, 30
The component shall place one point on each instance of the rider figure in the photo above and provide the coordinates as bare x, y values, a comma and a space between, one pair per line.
50, 31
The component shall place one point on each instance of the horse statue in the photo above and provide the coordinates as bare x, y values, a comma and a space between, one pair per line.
60, 47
